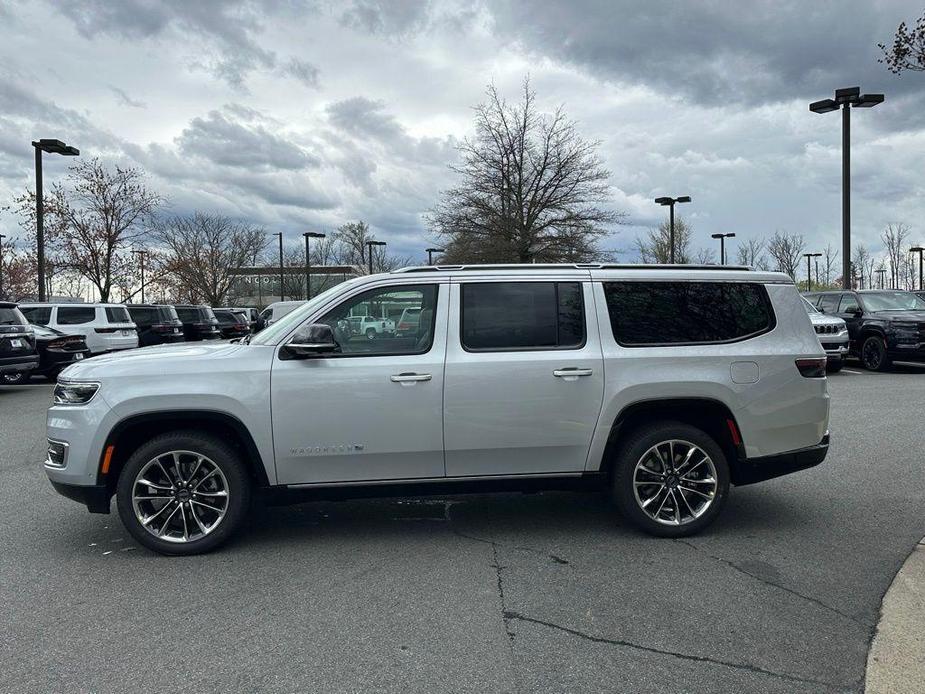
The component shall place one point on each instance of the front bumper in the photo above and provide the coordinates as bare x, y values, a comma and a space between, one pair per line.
95, 497
752, 470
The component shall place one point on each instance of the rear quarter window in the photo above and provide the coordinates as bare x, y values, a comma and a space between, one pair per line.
37, 315
644, 314
117, 314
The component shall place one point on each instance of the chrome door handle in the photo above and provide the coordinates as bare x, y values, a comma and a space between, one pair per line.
571, 373
410, 378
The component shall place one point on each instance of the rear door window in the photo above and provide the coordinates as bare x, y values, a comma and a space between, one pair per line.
512, 316
687, 313
76, 315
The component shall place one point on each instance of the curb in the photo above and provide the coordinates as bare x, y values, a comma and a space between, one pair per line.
896, 660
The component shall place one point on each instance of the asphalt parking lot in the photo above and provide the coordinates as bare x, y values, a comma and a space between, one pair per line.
504, 593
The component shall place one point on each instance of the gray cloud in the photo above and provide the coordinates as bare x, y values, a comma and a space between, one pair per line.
125, 99
304, 71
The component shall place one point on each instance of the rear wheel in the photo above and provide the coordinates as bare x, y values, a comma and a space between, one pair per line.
670, 479
370, 333
183, 493
874, 355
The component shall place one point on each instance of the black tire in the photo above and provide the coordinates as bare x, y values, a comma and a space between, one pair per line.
874, 355
16, 378
834, 365
632, 450
219, 453
370, 333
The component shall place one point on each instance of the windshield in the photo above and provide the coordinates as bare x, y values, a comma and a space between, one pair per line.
809, 307
270, 335
892, 301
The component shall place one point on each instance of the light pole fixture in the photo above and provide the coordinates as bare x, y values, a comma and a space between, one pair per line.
722, 245
281, 293
670, 203
2, 236
809, 272
308, 261
846, 99
141, 256
52, 147
881, 271
369, 246
430, 254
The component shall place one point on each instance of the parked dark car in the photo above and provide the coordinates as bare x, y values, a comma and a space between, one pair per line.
57, 350
883, 325
18, 357
199, 323
231, 324
157, 324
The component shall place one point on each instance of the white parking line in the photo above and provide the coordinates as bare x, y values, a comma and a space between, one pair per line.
856, 373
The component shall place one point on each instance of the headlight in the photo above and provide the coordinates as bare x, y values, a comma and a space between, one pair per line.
75, 393
906, 329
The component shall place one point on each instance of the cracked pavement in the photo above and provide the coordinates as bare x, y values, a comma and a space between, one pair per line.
500, 593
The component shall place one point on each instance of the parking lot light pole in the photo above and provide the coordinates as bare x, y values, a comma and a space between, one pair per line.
430, 254
281, 293
846, 99
809, 271
881, 271
369, 247
52, 147
670, 203
141, 256
308, 262
722, 245
919, 250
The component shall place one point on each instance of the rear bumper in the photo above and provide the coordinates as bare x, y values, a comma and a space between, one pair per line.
95, 497
752, 470
18, 363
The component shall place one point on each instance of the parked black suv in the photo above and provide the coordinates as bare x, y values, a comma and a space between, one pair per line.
157, 324
231, 324
18, 357
883, 325
199, 323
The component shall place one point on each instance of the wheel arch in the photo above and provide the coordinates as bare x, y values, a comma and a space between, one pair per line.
708, 414
129, 433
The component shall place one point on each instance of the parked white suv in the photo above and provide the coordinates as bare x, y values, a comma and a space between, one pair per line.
105, 327
665, 384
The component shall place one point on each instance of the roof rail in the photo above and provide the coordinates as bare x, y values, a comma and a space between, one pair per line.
526, 267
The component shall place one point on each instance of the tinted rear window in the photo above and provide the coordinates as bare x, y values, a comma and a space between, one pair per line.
117, 314
11, 316
76, 315
676, 313
522, 315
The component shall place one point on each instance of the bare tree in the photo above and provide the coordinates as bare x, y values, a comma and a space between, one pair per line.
864, 264
786, 250
751, 252
655, 247
349, 247
908, 49
894, 238
201, 250
532, 189
95, 217
830, 263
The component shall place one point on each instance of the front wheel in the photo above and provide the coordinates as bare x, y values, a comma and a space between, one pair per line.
670, 479
183, 493
874, 355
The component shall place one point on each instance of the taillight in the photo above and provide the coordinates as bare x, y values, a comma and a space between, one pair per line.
811, 368
162, 328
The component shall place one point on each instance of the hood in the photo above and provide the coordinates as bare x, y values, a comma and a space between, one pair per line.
904, 316
159, 360
825, 319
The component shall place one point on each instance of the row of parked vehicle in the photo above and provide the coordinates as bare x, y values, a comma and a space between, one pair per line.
42, 339
876, 326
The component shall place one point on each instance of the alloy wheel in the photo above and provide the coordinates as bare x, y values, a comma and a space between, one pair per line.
180, 496
872, 354
675, 482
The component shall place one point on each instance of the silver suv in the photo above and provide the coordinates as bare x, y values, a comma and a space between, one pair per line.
663, 384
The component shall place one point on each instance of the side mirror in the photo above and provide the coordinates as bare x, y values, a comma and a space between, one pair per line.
310, 341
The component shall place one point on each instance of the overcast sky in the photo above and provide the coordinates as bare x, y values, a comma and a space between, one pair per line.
302, 115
